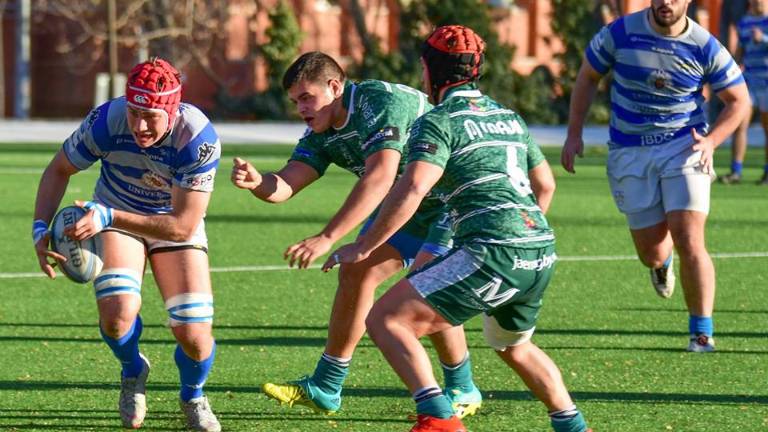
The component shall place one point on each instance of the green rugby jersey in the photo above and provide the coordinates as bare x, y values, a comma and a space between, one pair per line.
379, 116
486, 152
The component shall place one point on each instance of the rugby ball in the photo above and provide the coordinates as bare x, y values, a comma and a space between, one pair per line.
83, 257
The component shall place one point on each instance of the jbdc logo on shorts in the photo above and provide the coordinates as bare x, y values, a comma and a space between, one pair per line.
538, 264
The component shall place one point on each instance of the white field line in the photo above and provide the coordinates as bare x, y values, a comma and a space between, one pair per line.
284, 267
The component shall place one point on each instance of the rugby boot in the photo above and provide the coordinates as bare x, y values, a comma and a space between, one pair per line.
304, 392
425, 423
133, 398
701, 343
763, 180
464, 403
663, 279
730, 178
199, 415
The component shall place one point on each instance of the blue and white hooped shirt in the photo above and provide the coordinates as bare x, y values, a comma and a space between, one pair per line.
656, 93
139, 179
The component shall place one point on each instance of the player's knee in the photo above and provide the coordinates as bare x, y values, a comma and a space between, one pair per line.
377, 323
195, 339
116, 326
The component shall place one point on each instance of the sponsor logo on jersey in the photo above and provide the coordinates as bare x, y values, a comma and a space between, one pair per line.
140, 99
423, 147
540, 264
502, 127
199, 181
389, 133
205, 151
656, 139
660, 79
153, 180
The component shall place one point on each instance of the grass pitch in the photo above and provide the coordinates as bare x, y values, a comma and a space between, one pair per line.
620, 348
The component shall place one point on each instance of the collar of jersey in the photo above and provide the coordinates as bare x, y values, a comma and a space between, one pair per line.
465, 90
348, 99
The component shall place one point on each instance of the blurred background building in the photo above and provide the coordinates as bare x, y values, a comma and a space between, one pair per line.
56, 53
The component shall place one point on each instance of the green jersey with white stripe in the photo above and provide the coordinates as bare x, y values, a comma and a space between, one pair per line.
486, 153
379, 116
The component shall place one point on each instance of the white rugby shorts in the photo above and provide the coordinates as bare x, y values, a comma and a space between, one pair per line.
648, 182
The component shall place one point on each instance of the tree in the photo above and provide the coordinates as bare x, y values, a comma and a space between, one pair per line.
279, 52
181, 31
576, 28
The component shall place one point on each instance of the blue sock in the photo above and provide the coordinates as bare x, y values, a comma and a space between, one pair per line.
568, 420
765, 168
432, 402
126, 349
700, 324
736, 167
192, 373
330, 373
459, 376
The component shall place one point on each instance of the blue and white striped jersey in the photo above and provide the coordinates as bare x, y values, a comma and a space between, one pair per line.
140, 180
656, 93
755, 54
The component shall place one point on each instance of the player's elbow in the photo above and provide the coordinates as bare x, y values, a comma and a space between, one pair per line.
417, 189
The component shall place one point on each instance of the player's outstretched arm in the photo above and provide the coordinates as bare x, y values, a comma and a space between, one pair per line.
272, 187
581, 99
398, 207
365, 196
53, 184
543, 184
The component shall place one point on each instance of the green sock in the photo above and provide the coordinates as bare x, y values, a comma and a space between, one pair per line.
459, 376
569, 420
330, 373
432, 402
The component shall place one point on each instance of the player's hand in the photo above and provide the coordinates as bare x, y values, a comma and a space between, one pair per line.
757, 34
95, 220
41, 240
305, 252
574, 146
350, 253
244, 175
706, 146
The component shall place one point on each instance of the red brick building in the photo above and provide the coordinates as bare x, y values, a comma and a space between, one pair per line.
62, 85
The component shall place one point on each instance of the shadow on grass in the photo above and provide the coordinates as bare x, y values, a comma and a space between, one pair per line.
388, 392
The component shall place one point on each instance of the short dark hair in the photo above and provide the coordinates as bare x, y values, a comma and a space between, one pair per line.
313, 66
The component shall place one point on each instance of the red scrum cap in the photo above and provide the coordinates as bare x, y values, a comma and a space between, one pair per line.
155, 85
453, 55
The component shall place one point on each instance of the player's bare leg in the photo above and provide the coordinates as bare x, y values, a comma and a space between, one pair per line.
184, 282
697, 274
654, 248
119, 302
542, 376
396, 322
354, 297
